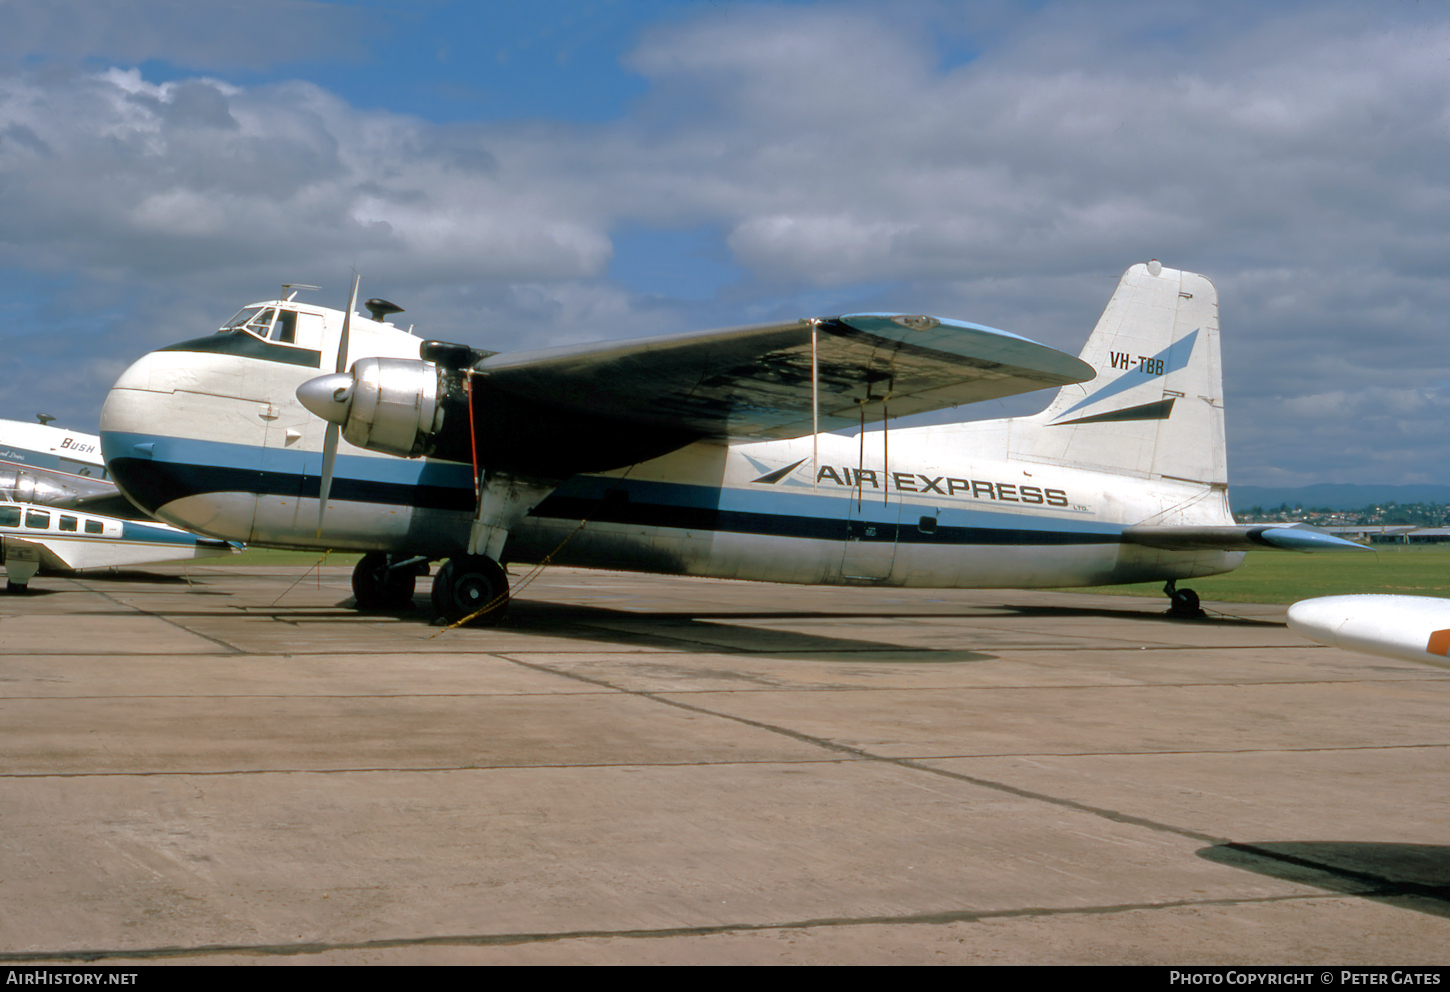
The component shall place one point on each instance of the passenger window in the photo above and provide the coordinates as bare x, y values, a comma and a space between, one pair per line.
37, 519
9, 516
927, 525
95, 527
67, 523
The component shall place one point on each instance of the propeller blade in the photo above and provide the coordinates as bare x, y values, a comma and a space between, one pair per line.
334, 430
347, 325
329, 457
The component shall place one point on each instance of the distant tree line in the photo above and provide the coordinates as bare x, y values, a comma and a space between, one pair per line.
1389, 514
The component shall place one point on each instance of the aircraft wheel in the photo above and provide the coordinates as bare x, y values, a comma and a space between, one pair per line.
16, 588
379, 587
468, 583
1184, 603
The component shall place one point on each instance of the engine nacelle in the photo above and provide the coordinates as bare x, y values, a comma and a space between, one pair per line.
393, 406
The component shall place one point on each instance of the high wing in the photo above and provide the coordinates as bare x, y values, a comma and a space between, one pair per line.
1254, 537
756, 382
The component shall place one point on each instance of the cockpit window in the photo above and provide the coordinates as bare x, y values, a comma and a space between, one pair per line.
285, 329
254, 320
243, 316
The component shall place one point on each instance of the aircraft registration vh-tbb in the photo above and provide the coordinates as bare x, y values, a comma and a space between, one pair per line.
702, 454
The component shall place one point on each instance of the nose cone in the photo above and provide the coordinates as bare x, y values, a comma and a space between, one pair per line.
1412, 628
1318, 619
328, 396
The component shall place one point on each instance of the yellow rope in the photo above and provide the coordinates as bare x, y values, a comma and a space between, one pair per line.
304, 575
530, 576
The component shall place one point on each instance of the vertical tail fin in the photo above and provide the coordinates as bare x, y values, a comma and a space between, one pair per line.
1156, 406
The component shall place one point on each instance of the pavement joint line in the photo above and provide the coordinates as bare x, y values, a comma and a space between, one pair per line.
430, 768
743, 762
613, 691
232, 648
506, 939
1107, 814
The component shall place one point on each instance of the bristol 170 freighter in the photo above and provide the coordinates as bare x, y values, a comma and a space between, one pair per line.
708, 454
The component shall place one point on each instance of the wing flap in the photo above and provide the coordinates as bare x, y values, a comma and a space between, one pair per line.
756, 382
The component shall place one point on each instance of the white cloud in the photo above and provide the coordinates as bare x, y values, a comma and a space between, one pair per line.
1297, 156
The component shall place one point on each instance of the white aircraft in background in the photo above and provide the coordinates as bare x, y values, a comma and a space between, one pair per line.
1410, 628
701, 454
58, 467
34, 537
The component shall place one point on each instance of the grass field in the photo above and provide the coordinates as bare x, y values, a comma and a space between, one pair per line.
1265, 577
1287, 577
264, 556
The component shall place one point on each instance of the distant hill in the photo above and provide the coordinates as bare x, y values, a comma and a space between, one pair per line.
1336, 497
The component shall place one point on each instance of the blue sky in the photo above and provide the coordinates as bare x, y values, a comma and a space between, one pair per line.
521, 175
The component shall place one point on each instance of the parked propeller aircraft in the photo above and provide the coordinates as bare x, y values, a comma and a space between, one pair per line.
34, 537
1410, 628
58, 467
701, 454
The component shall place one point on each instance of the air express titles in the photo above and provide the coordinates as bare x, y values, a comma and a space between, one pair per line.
913, 482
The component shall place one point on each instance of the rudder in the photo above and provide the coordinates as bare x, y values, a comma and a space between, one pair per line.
1156, 406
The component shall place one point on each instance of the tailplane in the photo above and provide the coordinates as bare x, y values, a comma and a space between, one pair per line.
1156, 406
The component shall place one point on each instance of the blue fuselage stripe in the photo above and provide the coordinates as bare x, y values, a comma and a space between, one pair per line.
172, 468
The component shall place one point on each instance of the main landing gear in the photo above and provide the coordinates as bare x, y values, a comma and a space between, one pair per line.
467, 584
386, 582
462, 586
1182, 602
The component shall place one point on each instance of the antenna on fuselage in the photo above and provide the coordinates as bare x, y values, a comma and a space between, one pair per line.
44, 418
296, 287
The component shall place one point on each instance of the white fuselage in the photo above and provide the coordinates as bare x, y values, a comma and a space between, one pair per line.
217, 443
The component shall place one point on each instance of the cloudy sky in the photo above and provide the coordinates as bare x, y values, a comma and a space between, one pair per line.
521, 175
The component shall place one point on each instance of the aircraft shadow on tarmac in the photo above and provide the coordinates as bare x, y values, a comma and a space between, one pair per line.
666, 629
713, 633
1219, 620
1409, 876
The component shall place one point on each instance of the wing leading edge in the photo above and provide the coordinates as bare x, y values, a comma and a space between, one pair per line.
756, 382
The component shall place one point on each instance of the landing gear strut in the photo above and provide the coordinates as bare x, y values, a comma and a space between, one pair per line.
468, 583
1182, 602
386, 582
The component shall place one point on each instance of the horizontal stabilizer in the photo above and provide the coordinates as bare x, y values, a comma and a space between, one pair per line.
1294, 537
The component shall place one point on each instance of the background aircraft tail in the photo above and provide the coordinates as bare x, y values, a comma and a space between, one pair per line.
1156, 406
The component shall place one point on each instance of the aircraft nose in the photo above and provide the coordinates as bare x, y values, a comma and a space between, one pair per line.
328, 396
1319, 619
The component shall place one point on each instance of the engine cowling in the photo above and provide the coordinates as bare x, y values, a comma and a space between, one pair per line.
382, 404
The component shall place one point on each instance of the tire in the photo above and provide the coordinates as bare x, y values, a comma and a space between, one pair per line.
16, 588
377, 586
1184, 603
468, 583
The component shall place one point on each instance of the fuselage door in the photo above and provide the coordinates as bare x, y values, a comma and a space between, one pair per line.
871, 529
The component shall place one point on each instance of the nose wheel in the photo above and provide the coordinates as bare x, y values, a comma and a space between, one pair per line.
467, 584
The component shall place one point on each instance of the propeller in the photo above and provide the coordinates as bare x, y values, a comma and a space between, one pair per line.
337, 389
